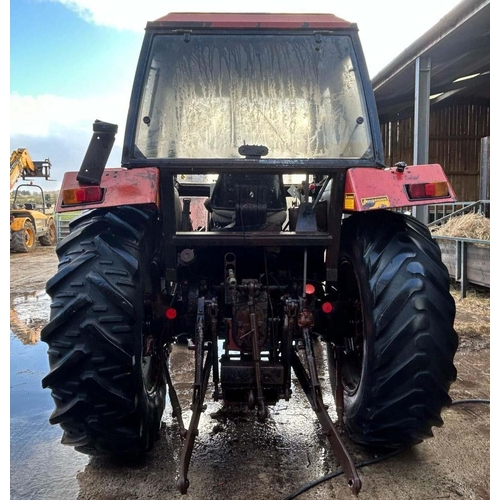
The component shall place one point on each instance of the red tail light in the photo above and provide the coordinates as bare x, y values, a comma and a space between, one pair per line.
427, 190
327, 307
171, 313
86, 194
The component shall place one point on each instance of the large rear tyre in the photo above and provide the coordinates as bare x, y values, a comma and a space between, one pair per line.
49, 239
105, 354
23, 241
398, 343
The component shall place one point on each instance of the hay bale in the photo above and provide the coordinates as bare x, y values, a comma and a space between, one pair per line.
471, 225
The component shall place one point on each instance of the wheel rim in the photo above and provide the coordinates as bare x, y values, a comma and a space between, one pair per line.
151, 362
151, 373
29, 237
354, 345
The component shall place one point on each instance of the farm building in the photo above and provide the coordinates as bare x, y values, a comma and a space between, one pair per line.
441, 83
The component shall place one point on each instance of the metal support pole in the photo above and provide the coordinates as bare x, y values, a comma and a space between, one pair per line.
484, 175
463, 272
458, 260
421, 124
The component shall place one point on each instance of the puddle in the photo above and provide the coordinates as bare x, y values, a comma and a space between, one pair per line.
40, 466
29, 312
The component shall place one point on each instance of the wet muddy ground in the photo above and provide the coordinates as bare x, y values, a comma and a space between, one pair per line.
235, 457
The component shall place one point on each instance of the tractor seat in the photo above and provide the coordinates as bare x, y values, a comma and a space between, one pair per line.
248, 202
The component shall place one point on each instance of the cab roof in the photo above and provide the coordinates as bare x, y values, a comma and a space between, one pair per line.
250, 20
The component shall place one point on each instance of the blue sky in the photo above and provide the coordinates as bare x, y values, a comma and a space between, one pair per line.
73, 61
63, 54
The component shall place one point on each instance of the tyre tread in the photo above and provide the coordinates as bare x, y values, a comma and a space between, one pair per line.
412, 312
94, 335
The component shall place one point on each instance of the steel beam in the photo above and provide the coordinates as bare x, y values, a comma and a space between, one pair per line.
484, 175
421, 124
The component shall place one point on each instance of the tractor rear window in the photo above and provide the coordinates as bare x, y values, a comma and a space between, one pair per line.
204, 96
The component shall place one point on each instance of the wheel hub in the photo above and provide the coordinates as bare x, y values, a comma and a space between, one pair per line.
353, 349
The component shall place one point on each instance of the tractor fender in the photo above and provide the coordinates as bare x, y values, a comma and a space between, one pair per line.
119, 186
372, 189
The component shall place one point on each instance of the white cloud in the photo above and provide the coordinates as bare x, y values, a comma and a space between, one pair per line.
116, 13
49, 115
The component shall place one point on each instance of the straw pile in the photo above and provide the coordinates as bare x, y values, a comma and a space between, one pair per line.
472, 225
472, 320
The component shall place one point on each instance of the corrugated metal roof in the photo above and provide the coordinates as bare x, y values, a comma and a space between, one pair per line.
458, 46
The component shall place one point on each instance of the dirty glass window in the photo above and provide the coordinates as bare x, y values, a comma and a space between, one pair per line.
205, 97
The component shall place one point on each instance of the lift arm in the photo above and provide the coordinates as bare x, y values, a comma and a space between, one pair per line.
21, 165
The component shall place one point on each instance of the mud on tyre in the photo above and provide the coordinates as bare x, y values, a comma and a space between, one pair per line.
398, 313
109, 393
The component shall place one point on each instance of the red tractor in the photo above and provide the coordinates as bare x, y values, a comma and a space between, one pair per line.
253, 207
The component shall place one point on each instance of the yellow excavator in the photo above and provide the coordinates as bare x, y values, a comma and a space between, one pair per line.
29, 223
